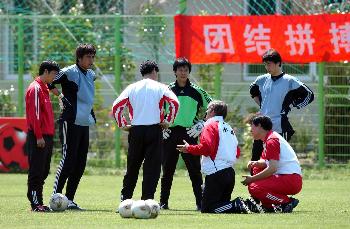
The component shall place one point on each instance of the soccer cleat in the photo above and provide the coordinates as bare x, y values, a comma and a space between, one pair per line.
239, 206
243, 207
288, 208
254, 206
73, 206
198, 207
276, 208
41, 208
47, 208
164, 206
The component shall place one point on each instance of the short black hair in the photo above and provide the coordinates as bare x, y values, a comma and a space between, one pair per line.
49, 65
272, 55
219, 108
148, 66
84, 49
182, 61
263, 120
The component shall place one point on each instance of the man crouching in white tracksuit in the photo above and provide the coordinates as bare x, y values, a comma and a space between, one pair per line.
219, 149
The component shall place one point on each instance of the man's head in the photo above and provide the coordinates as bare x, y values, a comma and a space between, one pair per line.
216, 108
182, 69
260, 126
149, 69
48, 70
85, 55
272, 61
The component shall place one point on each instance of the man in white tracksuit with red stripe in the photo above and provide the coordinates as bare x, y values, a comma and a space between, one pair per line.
219, 149
145, 100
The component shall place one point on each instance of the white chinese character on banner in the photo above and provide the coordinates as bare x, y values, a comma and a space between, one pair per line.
340, 37
257, 39
301, 37
218, 39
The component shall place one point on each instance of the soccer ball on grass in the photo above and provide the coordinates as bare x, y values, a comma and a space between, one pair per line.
154, 206
58, 202
124, 208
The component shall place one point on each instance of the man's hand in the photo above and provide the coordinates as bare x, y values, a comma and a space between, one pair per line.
166, 133
63, 102
164, 125
251, 164
126, 128
248, 179
196, 129
183, 148
259, 164
40, 143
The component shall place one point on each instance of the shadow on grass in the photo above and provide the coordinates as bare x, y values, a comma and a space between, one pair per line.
97, 210
178, 212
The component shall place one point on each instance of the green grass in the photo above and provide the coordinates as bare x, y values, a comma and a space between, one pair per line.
324, 203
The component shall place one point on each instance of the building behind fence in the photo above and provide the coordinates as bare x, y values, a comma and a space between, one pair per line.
32, 31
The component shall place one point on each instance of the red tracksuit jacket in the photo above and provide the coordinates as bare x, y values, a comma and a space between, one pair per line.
39, 113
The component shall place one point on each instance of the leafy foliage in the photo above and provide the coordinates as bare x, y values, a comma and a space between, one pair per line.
151, 29
7, 106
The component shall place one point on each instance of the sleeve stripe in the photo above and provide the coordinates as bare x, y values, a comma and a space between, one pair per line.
307, 99
118, 112
161, 109
36, 102
173, 108
59, 75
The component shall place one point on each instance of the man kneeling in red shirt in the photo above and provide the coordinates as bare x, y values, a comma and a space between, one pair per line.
277, 174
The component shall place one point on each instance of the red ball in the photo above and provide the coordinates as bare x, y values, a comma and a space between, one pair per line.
13, 155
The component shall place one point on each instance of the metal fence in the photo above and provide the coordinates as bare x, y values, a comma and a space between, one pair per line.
26, 40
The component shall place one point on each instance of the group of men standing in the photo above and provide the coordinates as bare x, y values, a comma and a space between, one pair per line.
164, 122
76, 102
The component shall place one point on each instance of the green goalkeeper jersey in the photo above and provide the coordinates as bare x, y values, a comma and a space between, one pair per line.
192, 99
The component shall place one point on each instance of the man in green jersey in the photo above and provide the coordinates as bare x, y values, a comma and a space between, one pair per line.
187, 127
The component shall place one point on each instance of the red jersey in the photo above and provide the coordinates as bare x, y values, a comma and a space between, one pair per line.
39, 113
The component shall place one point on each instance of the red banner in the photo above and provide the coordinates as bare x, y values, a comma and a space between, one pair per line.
243, 39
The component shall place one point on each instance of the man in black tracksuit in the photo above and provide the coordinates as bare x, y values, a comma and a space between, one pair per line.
76, 101
185, 127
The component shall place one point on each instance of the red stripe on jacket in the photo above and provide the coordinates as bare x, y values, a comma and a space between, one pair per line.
173, 109
118, 112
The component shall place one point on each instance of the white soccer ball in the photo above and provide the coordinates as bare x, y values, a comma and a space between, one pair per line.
154, 206
124, 208
58, 202
140, 210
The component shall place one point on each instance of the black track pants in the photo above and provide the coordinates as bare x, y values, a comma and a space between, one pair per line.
75, 144
39, 167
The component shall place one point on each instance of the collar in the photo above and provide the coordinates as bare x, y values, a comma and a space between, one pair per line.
216, 118
41, 83
274, 78
82, 70
188, 83
268, 135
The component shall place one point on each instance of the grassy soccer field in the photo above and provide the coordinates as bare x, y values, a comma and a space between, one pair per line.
324, 203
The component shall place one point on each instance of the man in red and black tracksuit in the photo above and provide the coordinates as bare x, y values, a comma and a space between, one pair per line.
40, 122
219, 150
277, 173
145, 100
